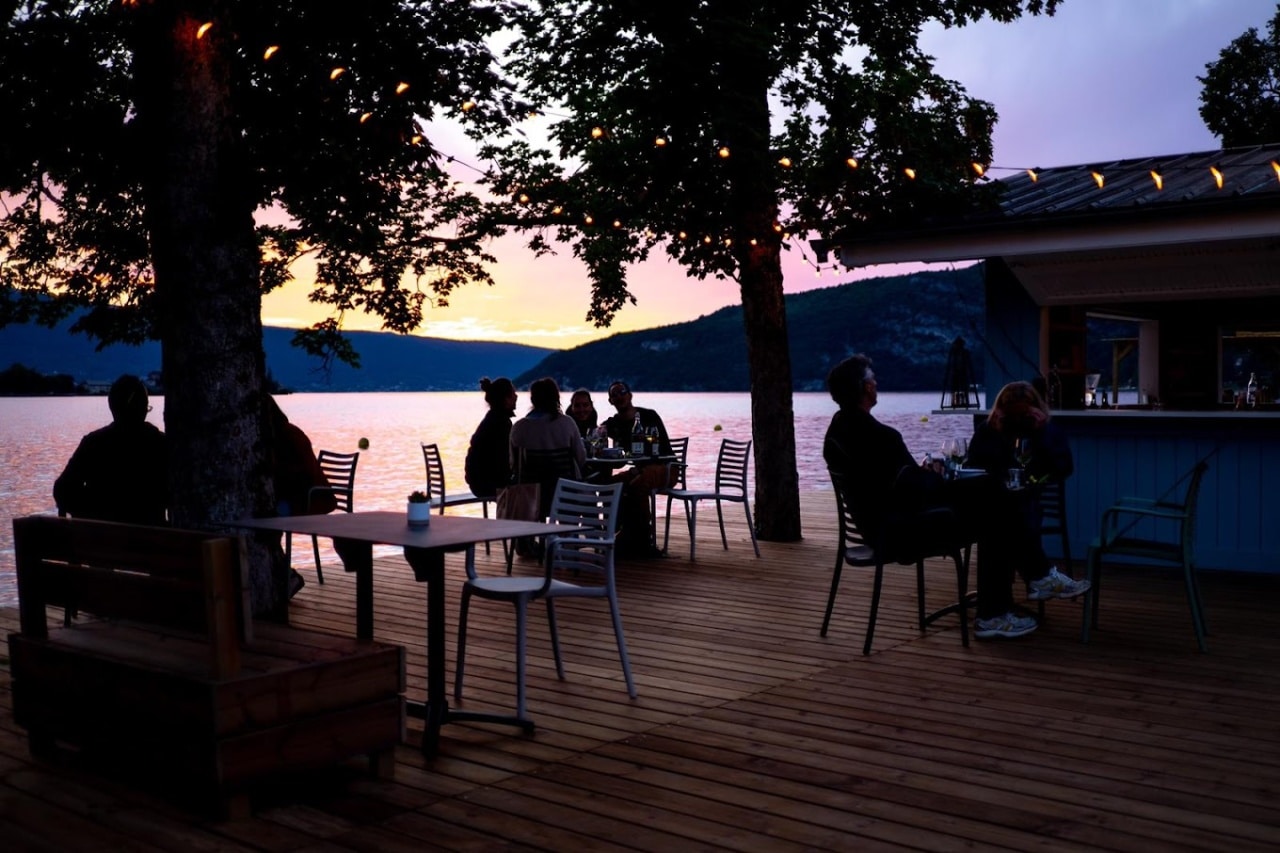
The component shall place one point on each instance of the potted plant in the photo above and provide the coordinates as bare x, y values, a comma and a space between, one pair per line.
419, 509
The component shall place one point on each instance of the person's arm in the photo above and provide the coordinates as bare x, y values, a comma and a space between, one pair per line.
68, 488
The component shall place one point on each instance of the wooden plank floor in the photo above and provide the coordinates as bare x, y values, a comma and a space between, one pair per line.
751, 732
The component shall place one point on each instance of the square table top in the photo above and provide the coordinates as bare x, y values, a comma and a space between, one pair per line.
385, 527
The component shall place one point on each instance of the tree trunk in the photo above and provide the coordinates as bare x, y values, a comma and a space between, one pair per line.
745, 116
199, 213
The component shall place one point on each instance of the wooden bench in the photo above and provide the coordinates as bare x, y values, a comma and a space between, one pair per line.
163, 671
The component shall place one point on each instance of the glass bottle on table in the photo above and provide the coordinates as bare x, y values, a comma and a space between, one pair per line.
637, 438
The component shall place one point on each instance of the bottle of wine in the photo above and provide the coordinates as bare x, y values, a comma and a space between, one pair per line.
637, 438
1251, 391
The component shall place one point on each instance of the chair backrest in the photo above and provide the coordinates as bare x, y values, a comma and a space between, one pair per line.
545, 466
680, 447
590, 505
1053, 505
340, 470
731, 469
1189, 505
850, 537
435, 474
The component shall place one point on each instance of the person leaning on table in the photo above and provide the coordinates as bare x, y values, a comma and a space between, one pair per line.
888, 488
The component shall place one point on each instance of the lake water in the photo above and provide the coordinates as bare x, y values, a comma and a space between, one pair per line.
38, 435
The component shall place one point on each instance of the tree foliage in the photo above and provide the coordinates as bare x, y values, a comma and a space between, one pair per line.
1240, 92
338, 164
717, 131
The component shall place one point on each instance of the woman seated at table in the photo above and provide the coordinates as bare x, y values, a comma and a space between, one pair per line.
1019, 433
583, 411
546, 427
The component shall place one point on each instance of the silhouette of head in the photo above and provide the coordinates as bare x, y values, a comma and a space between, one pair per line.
127, 400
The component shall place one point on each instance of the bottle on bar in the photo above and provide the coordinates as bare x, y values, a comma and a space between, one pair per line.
637, 438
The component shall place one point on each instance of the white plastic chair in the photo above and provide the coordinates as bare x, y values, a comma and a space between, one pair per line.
588, 557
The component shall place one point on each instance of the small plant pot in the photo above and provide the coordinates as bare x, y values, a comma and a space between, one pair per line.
419, 514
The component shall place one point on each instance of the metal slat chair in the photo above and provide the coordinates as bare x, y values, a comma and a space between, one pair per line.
436, 487
1168, 531
855, 550
731, 486
340, 470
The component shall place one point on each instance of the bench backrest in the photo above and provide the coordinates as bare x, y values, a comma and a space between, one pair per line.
179, 579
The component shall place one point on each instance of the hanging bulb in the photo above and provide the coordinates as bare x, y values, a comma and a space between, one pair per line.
1098, 179
684, 235
589, 219
777, 226
270, 51
728, 241
365, 117
1031, 173
523, 198
401, 88
724, 152
1217, 176
468, 105
597, 132
785, 162
660, 141
852, 162
909, 172
707, 239
1275, 166
204, 28
1158, 179
337, 72
617, 223
978, 169
755, 242
557, 210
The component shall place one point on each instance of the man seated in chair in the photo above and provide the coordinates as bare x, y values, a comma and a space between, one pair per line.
635, 533
888, 490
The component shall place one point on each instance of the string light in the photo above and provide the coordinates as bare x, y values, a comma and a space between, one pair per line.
270, 51
1098, 179
1159, 181
468, 105
724, 152
617, 223
979, 169
557, 210
785, 162
589, 219
684, 235
707, 239
401, 88
660, 142
597, 132
1031, 173
523, 199
909, 172
1275, 166
204, 28
365, 117
337, 72
1217, 176
852, 162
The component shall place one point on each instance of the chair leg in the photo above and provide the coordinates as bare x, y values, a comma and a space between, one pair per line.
875, 606
622, 643
288, 549
920, 593
961, 559
751, 526
522, 614
666, 533
315, 549
1089, 614
691, 517
484, 508
555, 637
462, 643
1193, 601
831, 599
724, 540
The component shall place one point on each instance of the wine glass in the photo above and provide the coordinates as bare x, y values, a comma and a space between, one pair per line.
950, 455
1022, 452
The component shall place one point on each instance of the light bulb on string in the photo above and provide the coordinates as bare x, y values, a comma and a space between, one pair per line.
365, 117
684, 235
723, 152
1158, 179
978, 169
707, 240
1217, 175
909, 172
468, 105
270, 51
852, 162
401, 88
784, 162
660, 142
1275, 167
1098, 179
337, 72
204, 28
1033, 175
617, 223
589, 219
597, 132
523, 198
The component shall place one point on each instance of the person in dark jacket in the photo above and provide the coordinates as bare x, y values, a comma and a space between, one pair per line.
119, 472
488, 463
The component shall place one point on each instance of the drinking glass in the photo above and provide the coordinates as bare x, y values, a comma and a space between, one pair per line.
1022, 451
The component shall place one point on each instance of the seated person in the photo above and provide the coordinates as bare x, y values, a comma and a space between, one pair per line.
583, 411
119, 472
488, 462
1021, 414
635, 529
888, 490
545, 427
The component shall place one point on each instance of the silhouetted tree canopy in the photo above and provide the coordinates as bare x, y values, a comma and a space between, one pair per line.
1240, 95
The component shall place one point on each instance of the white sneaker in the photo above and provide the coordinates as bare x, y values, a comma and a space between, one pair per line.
1009, 625
1056, 585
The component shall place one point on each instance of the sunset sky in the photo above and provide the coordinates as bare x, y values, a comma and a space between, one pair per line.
1101, 80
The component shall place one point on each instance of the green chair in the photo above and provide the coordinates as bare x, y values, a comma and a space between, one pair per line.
1153, 531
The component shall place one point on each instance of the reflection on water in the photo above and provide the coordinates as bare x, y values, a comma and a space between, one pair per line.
38, 435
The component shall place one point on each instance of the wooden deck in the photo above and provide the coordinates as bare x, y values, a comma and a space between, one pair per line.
753, 733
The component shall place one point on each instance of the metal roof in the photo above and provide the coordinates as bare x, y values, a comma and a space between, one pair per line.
1070, 240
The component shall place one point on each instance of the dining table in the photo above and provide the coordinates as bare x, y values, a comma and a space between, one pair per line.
355, 533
